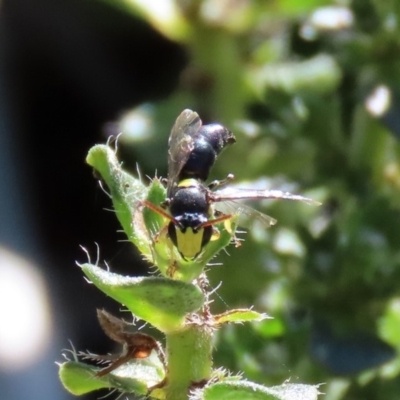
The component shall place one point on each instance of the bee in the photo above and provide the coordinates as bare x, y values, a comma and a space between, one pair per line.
189, 207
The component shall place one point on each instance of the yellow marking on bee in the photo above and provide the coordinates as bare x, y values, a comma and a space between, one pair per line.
188, 182
189, 243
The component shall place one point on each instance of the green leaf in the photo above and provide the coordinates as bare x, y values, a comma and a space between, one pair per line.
295, 391
136, 376
79, 378
162, 302
239, 316
244, 390
126, 192
156, 195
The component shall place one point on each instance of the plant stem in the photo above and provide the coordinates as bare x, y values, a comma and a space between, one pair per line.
189, 355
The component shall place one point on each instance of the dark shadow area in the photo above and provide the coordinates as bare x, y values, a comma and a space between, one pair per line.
68, 67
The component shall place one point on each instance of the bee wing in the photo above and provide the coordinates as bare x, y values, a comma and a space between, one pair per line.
181, 143
246, 214
255, 194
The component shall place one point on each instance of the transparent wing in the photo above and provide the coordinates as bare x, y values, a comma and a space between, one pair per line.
181, 143
247, 215
254, 194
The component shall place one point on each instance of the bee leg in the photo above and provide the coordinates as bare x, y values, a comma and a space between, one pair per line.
223, 182
165, 204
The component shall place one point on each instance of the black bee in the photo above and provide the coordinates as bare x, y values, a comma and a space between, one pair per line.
193, 149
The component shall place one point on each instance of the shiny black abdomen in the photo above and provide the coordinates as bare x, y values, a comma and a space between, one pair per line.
209, 141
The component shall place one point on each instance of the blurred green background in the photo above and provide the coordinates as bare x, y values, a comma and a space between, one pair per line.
311, 90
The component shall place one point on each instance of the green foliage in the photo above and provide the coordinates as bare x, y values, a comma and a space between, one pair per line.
177, 308
313, 102
250, 391
80, 378
125, 191
166, 310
